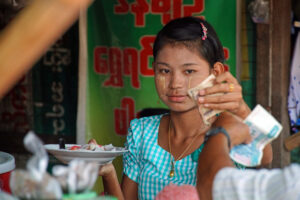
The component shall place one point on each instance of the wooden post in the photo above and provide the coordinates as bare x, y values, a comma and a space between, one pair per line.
29, 35
273, 67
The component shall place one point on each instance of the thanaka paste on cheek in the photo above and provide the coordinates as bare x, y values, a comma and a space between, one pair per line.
189, 86
162, 82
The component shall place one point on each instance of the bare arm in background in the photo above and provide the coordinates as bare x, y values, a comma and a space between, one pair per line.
215, 153
128, 188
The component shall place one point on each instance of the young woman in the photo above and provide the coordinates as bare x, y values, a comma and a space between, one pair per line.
165, 148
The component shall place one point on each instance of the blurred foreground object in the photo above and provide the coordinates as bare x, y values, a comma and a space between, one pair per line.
29, 35
35, 182
7, 165
178, 192
78, 178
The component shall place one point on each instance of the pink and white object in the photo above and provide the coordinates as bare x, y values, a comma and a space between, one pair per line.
176, 192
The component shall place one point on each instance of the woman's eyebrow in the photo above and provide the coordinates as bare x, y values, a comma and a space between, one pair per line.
162, 63
189, 64
168, 65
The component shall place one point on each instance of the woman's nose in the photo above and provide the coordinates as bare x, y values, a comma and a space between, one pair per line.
177, 80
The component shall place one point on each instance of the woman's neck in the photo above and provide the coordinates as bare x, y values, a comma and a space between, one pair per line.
187, 124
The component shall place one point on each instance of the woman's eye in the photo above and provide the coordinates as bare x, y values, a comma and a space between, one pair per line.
164, 71
189, 71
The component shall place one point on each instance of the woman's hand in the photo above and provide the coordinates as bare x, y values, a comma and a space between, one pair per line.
267, 155
106, 170
109, 178
232, 100
92, 141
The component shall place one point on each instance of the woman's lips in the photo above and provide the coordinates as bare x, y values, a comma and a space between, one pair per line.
176, 98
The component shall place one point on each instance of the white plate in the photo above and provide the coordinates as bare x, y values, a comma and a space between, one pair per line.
65, 155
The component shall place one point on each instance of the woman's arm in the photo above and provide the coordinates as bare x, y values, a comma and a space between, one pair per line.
215, 156
110, 181
128, 188
215, 153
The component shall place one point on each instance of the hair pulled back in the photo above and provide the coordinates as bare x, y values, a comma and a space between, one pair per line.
189, 32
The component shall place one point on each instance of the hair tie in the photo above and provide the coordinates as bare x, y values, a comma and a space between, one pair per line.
204, 29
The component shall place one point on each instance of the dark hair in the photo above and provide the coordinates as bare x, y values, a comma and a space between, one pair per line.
188, 31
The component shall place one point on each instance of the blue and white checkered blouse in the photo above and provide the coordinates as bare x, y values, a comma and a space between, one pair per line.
149, 165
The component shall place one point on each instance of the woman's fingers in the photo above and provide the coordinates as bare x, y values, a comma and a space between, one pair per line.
92, 141
230, 106
249, 139
106, 170
222, 98
221, 88
229, 101
225, 94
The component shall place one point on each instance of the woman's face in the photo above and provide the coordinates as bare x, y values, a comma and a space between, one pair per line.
178, 69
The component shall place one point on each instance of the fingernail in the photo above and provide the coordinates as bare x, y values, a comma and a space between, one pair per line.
202, 92
201, 99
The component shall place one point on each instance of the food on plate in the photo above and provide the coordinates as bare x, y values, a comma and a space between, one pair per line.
92, 146
75, 147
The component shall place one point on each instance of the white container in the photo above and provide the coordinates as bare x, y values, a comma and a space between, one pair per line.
7, 165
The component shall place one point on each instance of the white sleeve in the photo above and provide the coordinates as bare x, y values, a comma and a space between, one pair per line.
263, 184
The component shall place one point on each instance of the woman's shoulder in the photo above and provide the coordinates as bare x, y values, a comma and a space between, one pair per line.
140, 127
146, 121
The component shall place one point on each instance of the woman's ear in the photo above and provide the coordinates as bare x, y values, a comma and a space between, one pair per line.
218, 68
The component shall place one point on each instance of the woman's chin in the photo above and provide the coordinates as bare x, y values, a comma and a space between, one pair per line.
183, 108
